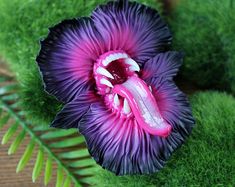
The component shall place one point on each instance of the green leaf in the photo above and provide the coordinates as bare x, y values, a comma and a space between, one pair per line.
3, 79
15, 144
59, 180
26, 156
58, 134
66, 174
78, 185
74, 154
21, 113
10, 97
67, 182
10, 132
8, 88
15, 105
86, 171
82, 163
38, 165
41, 128
69, 142
48, 171
4, 120
91, 180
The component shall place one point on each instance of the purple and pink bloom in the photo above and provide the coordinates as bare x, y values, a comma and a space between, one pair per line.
114, 74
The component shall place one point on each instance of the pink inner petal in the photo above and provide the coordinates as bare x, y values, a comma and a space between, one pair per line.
144, 106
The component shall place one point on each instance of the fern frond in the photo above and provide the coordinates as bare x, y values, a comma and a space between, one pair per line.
4, 120
26, 156
60, 176
48, 171
16, 143
64, 148
38, 165
67, 182
10, 132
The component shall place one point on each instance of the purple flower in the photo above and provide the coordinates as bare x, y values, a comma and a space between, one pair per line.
115, 77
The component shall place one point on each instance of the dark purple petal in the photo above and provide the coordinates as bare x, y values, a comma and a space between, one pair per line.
120, 145
66, 58
123, 147
173, 104
72, 112
132, 27
163, 65
175, 109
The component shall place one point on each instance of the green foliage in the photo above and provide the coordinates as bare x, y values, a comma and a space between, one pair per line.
19, 44
48, 171
10, 132
205, 32
206, 159
59, 180
16, 143
63, 148
26, 157
38, 165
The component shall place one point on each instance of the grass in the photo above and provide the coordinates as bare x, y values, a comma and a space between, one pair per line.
206, 159
205, 32
23, 24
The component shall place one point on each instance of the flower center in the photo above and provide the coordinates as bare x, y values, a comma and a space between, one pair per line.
118, 70
113, 68
125, 93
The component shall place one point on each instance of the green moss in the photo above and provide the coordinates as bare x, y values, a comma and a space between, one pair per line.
23, 24
205, 32
206, 159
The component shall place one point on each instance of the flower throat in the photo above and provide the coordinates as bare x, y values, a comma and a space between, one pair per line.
117, 80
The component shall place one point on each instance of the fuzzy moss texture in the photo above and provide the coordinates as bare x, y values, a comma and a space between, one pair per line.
203, 29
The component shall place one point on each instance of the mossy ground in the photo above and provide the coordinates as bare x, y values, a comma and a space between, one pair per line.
204, 30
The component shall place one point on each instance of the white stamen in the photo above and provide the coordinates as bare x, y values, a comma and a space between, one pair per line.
106, 82
108, 60
124, 55
133, 68
103, 71
119, 55
113, 57
116, 100
150, 88
133, 65
105, 62
126, 107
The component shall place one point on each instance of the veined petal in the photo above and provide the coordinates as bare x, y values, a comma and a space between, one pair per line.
133, 28
66, 58
73, 111
163, 65
175, 109
121, 145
